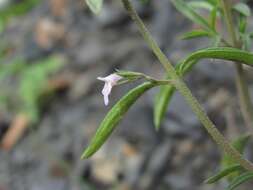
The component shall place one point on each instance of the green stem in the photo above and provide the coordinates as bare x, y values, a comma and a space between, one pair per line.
242, 87
185, 91
229, 21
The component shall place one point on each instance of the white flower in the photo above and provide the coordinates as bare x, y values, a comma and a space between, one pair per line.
110, 81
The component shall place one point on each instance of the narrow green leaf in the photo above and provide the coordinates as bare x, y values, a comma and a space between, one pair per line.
242, 24
212, 18
164, 96
195, 34
113, 118
225, 53
231, 168
201, 5
189, 12
161, 103
166, 92
243, 9
223, 173
95, 5
240, 180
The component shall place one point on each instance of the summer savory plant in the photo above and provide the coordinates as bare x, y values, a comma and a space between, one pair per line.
235, 48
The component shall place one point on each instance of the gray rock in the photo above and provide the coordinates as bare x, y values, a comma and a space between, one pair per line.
158, 164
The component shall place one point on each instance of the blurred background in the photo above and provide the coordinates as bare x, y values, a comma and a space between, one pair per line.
52, 51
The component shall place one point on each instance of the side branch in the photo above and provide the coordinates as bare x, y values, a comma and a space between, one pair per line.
185, 91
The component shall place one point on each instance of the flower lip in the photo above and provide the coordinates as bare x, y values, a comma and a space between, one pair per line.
110, 81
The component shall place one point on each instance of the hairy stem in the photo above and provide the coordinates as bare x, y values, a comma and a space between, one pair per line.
185, 91
242, 87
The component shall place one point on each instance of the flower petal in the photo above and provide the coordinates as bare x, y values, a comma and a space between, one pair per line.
107, 89
101, 78
112, 78
106, 92
106, 100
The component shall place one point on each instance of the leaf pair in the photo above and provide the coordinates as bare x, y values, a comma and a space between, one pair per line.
166, 92
225, 172
233, 171
208, 25
237, 181
243, 178
189, 12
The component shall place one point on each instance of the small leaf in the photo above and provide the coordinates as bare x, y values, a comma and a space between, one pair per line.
240, 180
223, 173
242, 24
243, 9
239, 144
190, 13
195, 34
95, 5
113, 118
201, 4
161, 103
129, 75
164, 96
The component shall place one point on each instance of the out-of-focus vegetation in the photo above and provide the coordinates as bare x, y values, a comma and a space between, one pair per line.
23, 83
29, 82
16, 9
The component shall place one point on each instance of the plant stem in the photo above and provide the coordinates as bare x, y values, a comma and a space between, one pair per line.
242, 88
185, 91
